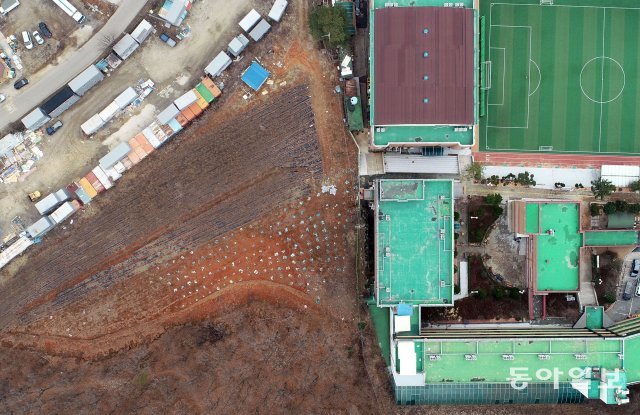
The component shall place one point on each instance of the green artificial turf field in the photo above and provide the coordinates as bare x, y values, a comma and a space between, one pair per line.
561, 77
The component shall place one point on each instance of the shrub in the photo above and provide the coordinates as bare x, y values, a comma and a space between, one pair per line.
635, 186
514, 293
602, 187
329, 22
609, 208
456, 216
594, 209
493, 199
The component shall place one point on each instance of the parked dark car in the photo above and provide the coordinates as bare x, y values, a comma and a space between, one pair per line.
627, 293
55, 127
20, 83
635, 267
45, 29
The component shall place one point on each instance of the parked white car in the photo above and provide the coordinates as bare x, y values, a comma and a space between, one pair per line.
26, 38
2, 98
38, 38
16, 62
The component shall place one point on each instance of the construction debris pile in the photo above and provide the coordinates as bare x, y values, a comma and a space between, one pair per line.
18, 154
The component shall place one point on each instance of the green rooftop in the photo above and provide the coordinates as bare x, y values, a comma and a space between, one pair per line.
414, 242
595, 317
557, 245
354, 114
610, 238
377, 4
493, 361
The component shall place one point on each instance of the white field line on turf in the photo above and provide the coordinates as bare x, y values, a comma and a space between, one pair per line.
504, 71
604, 22
526, 126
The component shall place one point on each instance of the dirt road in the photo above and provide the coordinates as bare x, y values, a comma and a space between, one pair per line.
38, 91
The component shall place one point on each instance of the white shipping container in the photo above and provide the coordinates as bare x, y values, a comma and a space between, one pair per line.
102, 177
186, 99
65, 211
151, 137
113, 174
108, 113
92, 125
125, 98
119, 167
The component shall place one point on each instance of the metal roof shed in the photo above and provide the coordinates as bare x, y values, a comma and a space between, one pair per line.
109, 112
125, 98
40, 227
142, 31
237, 45
125, 46
218, 64
260, 30
112, 157
620, 176
9, 142
35, 119
276, 12
175, 11
168, 114
60, 102
86, 80
186, 99
47, 204
255, 76
7, 5
249, 20
65, 211
403, 163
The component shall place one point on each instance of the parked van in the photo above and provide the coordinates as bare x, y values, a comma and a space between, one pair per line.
635, 267
628, 291
26, 38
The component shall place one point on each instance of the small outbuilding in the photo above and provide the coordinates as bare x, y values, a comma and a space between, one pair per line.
92, 125
60, 102
237, 45
218, 64
125, 46
86, 80
142, 31
260, 30
255, 76
250, 20
126, 97
112, 157
168, 114
7, 5
175, 11
40, 227
277, 10
35, 119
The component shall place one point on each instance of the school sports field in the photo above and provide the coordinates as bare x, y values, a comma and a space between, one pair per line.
561, 77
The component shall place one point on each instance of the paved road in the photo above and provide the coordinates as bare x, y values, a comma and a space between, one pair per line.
31, 96
622, 309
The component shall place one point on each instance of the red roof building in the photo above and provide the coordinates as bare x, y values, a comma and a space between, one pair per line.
423, 66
